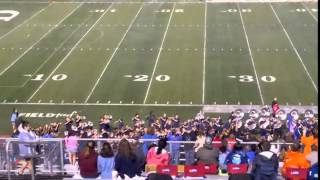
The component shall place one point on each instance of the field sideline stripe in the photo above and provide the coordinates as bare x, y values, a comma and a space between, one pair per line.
72, 49
114, 52
295, 49
54, 52
314, 17
204, 53
218, 107
251, 57
25, 21
158, 56
42, 37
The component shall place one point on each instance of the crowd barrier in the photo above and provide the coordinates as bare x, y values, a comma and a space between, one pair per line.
51, 157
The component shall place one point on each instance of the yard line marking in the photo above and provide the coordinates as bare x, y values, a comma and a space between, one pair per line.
114, 52
159, 52
25, 21
314, 17
295, 49
42, 37
250, 53
71, 50
204, 53
54, 52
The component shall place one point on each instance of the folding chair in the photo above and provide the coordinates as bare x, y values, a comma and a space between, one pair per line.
168, 169
296, 173
237, 168
209, 168
194, 171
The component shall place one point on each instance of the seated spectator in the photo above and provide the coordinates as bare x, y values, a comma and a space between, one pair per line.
208, 154
126, 161
175, 135
105, 162
88, 161
294, 158
200, 141
251, 152
158, 155
223, 153
265, 164
237, 156
312, 157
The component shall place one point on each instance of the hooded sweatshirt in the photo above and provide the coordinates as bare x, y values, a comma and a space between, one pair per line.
294, 159
208, 154
158, 159
265, 166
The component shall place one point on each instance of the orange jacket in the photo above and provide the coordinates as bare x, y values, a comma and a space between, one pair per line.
307, 142
294, 160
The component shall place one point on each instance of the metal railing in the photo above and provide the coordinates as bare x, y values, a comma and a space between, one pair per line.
51, 158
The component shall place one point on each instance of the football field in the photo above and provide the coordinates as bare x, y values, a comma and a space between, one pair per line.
157, 54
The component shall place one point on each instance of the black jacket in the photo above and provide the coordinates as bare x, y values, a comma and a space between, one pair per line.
265, 166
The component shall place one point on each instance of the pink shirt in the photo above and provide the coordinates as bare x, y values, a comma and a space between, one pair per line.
71, 142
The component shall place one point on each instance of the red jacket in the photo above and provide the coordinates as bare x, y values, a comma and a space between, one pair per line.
88, 165
157, 159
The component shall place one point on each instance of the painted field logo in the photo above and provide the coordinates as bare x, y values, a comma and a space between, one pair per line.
46, 115
7, 15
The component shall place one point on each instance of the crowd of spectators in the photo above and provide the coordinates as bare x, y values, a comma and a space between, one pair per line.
214, 141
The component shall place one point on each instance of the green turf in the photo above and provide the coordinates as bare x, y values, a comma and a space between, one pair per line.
147, 54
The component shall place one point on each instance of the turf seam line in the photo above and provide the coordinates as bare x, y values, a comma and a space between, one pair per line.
250, 53
55, 50
309, 12
159, 52
204, 54
25, 21
294, 48
41, 38
114, 52
67, 55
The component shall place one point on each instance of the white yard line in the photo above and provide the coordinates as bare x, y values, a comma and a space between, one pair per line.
111, 57
25, 21
250, 53
295, 49
204, 54
43, 36
72, 49
314, 17
54, 52
158, 56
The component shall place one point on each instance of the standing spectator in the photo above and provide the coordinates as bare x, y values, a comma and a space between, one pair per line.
307, 140
106, 161
175, 135
312, 157
265, 164
237, 156
294, 158
151, 119
26, 135
137, 148
88, 161
189, 135
200, 141
158, 155
13, 119
68, 124
71, 144
163, 120
223, 153
126, 162
275, 106
208, 154
149, 134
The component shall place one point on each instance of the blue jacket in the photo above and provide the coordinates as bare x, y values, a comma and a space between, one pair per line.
26, 149
105, 166
147, 143
174, 146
